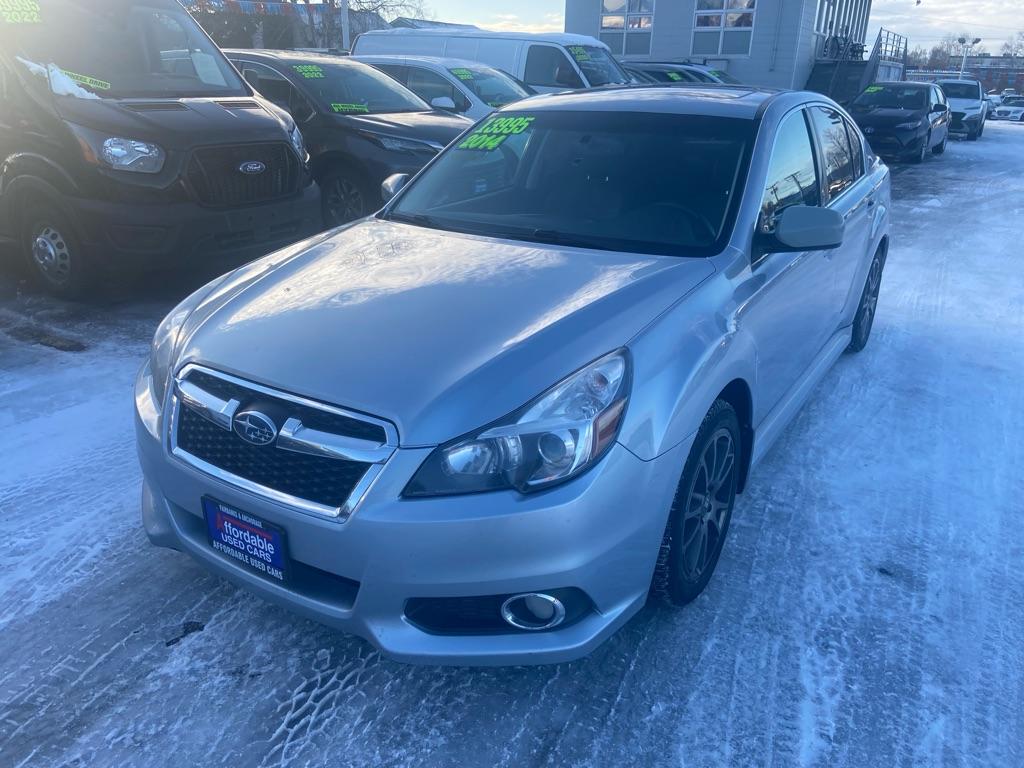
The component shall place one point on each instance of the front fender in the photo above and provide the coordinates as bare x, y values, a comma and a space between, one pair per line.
682, 363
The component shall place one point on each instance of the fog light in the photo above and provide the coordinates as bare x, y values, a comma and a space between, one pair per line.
533, 611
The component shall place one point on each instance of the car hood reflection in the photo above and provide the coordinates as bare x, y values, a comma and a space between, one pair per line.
441, 333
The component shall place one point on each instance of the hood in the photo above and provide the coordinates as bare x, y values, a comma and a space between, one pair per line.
178, 123
439, 127
440, 333
964, 105
883, 116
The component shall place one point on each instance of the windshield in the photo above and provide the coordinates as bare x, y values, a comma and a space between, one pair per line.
961, 90
117, 49
672, 76
637, 182
491, 86
597, 65
348, 87
892, 97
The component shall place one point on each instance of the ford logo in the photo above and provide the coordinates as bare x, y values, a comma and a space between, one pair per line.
252, 167
255, 428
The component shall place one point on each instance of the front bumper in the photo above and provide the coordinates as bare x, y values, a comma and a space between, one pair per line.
599, 533
897, 144
1010, 116
968, 124
168, 234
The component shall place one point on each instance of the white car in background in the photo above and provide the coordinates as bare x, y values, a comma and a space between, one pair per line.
1012, 108
968, 108
458, 85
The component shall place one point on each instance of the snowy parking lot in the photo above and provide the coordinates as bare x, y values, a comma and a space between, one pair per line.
868, 609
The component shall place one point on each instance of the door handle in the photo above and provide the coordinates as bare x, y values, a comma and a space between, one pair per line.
871, 202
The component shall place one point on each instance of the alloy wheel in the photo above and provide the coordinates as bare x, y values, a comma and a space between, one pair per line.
708, 503
867, 317
51, 254
344, 200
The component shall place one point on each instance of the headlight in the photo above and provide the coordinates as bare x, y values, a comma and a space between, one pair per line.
554, 438
165, 348
909, 126
132, 155
399, 144
298, 144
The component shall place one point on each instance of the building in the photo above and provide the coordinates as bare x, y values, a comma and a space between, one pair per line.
765, 42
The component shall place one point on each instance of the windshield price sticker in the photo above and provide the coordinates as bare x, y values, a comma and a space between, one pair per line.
462, 73
349, 108
494, 131
91, 82
310, 71
873, 89
579, 53
20, 11
674, 76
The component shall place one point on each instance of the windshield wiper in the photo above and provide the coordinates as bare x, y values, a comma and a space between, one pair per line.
420, 219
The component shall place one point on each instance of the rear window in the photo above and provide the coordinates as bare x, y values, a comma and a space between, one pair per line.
636, 182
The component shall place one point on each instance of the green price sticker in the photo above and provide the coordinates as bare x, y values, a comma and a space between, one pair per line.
873, 89
493, 132
20, 12
309, 71
344, 108
579, 53
674, 76
92, 82
462, 73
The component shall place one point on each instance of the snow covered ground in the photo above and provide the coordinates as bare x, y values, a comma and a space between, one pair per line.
868, 609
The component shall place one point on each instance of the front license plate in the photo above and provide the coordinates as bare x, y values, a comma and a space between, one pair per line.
249, 541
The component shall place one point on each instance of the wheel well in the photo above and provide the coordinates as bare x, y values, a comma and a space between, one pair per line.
737, 394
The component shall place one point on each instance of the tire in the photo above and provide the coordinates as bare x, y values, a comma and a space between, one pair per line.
920, 156
696, 529
53, 253
345, 197
974, 135
864, 320
938, 149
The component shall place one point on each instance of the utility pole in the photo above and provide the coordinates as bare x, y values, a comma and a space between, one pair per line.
346, 32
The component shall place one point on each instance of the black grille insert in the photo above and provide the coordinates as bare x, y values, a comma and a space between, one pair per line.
215, 176
321, 480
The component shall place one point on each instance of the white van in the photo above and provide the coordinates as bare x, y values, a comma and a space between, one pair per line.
545, 62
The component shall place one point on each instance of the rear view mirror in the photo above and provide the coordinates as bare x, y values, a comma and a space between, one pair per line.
447, 103
809, 228
392, 185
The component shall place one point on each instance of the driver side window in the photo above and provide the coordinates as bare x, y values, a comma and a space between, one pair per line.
792, 175
549, 67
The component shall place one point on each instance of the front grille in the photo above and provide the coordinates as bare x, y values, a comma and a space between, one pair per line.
322, 459
215, 177
325, 481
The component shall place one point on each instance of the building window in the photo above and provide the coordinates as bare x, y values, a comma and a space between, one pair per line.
723, 27
626, 26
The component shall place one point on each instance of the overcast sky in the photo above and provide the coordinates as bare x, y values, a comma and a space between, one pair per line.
992, 20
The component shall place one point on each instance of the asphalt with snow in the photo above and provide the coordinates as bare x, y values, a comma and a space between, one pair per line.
868, 609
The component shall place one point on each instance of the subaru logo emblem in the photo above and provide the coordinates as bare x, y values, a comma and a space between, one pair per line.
252, 167
255, 428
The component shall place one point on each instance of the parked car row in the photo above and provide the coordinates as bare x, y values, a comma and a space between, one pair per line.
908, 120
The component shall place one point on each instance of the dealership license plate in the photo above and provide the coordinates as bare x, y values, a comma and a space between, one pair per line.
252, 543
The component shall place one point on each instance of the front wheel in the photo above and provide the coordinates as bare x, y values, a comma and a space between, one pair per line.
864, 320
346, 197
923, 153
57, 260
701, 510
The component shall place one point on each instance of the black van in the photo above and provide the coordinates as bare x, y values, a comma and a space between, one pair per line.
127, 140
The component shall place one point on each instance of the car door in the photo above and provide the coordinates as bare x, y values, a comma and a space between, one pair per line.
791, 312
938, 113
848, 191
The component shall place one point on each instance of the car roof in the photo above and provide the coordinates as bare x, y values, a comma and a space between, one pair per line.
268, 54
712, 99
562, 38
902, 84
441, 62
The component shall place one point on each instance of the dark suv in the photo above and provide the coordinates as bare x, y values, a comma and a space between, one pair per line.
128, 140
361, 125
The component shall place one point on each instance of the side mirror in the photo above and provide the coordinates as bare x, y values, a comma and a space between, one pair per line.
447, 103
939, 108
808, 228
392, 185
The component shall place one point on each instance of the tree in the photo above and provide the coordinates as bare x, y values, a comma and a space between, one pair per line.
1014, 46
917, 58
949, 51
387, 9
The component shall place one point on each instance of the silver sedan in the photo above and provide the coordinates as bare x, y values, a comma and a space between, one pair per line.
486, 424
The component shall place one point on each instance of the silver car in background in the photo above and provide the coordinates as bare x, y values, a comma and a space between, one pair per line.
484, 425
